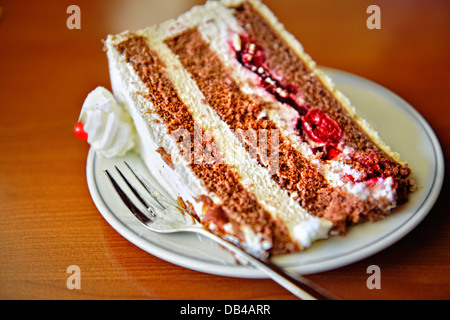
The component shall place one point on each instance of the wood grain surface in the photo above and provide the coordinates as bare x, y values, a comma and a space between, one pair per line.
48, 220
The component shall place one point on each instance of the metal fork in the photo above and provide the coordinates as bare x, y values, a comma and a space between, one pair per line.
163, 216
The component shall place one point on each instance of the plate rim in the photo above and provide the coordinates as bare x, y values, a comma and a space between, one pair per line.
331, 263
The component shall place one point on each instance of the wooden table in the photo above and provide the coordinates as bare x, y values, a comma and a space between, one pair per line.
48, 220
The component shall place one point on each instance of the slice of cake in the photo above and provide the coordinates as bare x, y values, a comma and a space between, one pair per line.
236, 121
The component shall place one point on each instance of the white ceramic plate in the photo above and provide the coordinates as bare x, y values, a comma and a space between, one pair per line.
399, 124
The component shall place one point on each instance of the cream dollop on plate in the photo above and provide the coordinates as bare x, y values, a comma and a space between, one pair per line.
109, 127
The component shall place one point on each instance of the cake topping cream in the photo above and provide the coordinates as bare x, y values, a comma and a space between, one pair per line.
107, 125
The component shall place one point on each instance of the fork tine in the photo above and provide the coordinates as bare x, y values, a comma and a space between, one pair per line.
135, 210
136, 193
145, 186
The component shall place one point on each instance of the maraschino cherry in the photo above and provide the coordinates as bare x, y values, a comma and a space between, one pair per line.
79, 131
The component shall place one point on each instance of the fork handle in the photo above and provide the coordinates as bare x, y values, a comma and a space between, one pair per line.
296, 284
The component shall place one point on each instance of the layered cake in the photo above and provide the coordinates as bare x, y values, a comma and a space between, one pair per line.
236, 121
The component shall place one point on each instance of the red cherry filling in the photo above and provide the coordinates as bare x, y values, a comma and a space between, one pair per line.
79, 131
319, 127
253, 58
